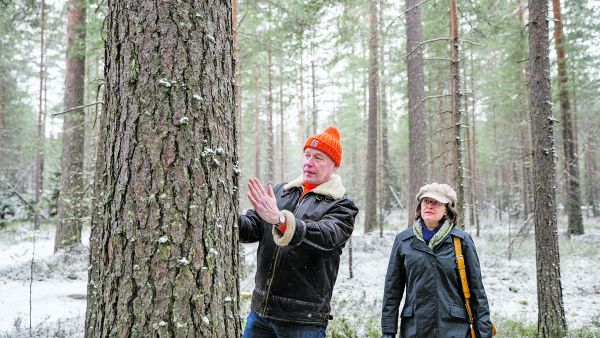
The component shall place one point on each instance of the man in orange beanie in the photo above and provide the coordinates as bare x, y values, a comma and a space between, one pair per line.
302, 227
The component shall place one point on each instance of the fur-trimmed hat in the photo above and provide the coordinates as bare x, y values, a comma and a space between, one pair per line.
439, 192
328, 142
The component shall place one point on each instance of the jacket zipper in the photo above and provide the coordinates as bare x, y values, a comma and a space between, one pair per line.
275, 265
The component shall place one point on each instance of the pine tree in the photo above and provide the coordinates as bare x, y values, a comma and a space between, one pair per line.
163, 248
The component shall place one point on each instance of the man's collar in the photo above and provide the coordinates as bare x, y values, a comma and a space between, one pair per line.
332, 188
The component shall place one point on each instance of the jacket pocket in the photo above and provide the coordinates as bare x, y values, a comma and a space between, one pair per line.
407, 312
408, 324
458, 311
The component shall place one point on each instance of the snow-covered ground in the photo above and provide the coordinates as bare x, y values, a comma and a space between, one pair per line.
59, 284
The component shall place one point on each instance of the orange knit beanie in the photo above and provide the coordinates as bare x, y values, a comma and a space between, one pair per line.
328, 142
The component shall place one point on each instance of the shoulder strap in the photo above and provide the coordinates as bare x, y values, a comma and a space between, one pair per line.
460, 263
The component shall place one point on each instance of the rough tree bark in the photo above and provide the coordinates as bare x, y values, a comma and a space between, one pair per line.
551, 313
164, 249
417, 129
371, 164
572, 188
70, 203
237, 70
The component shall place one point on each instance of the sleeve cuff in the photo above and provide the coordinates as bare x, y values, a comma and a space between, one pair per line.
285, 238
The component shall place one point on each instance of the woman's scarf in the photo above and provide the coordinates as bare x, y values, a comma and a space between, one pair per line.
439, 235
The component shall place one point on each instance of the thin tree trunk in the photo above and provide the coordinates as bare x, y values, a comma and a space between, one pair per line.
237, 69
468, 175
314, 96
371, 164
2, 126
281, 133
590, 173
573, 191
524, 130
443, 138
385, 153
257, 129
350, 272
39, 156
164, 254
473, 161
385, 198
70, 202
301, 115
497, 170
270, 134
551, 313
417, 128
456, 93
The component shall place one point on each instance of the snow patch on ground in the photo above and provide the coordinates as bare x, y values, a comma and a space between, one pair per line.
59, 283
58, 289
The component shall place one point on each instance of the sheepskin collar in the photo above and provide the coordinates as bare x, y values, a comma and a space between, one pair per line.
332, 188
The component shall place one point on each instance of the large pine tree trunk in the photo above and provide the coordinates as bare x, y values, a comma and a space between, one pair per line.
573, 191
371, 164
417, 129
70, 203
164, 249
551, 313
455, 94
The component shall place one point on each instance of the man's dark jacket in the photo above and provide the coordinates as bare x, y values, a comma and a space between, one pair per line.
434, 304
296, 270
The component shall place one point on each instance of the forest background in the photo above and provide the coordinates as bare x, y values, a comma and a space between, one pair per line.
304, 65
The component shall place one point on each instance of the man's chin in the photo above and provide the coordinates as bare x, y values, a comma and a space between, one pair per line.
310, 179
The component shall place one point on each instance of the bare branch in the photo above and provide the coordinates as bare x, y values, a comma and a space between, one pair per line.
387, 28
423, 43
472, 43
16, 193
75, 108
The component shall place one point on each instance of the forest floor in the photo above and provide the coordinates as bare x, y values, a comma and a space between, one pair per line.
59, 285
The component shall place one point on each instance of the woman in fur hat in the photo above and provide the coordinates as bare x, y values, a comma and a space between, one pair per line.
423, 263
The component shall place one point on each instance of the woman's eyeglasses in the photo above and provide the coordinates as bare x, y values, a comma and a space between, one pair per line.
433, 203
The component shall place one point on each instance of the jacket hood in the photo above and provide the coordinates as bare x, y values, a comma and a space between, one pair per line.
332, 188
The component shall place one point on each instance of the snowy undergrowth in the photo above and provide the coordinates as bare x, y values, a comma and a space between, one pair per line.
58, 289
59, 284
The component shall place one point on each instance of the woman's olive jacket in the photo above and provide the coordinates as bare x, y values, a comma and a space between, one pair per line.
296, 270
434, 305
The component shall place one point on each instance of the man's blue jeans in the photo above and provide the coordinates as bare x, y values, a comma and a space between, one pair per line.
257, 327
